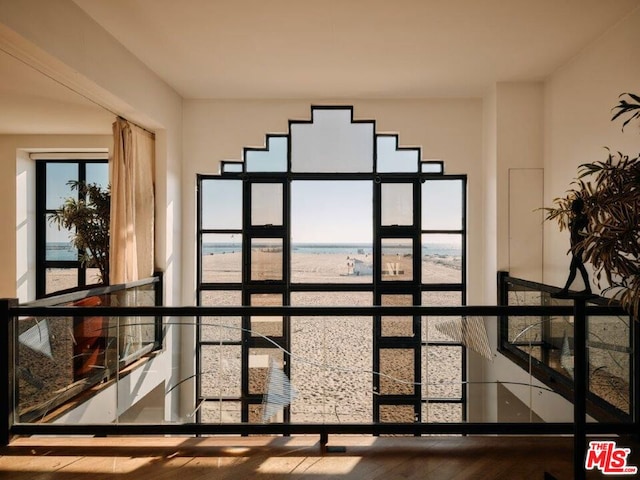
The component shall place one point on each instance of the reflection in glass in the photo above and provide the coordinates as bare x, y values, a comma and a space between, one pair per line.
220, 370
397, 259
58, 175
390, 159
266, 259
266, 204
610, 360
259, 361
397, 326
221, 328
221, 204
221, 259
442, 205
397, 204
441, 258
430, 333
268, 326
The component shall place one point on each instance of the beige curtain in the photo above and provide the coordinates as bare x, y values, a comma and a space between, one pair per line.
132, 203
131, 254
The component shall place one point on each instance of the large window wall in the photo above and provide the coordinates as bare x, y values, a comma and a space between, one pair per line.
331, 214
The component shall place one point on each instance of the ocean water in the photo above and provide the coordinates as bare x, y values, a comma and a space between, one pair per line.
61, 251
64, 251
434, 249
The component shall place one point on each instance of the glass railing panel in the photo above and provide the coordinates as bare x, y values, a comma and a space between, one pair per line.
610, 360
58, 359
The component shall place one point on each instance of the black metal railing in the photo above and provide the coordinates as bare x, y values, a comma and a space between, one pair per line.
544, 347
579, 311
57, 359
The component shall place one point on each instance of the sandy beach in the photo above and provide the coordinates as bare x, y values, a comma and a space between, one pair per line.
332, 357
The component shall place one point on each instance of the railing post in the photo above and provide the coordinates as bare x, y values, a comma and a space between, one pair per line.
7, 358
580, 375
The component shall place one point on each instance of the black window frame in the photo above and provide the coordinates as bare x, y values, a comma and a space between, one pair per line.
377, 287
42, 218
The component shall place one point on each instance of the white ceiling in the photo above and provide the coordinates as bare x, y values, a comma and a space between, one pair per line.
352, 48
317, 49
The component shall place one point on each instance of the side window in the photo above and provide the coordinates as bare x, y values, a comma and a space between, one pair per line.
59, 264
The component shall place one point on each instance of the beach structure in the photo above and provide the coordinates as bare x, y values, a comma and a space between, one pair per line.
345, 125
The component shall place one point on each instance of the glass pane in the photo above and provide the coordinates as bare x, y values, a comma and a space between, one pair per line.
266, 259
332, 231
331, 143
610, 360
221, 328
58, 174
266, 204
220, 412
274, 159
220, 370
441, 371
441, 412
396, 326
441, 258
397, 371
331, 369
334, 299
98, 173
221, 204
230, 167
397, 259
58, 357
397, 204
431, 167
259, 362
430, 331
266, 326
58, 244
221, 259
442, 205
397, 414
390, 159
60, 279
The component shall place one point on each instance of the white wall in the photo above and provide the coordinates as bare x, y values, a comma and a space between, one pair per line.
578, 102
17, 191
62, 41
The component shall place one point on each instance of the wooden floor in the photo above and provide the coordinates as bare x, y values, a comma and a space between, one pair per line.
370, 458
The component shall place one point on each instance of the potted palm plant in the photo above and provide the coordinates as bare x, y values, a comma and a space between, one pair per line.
610, 193
88, 218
